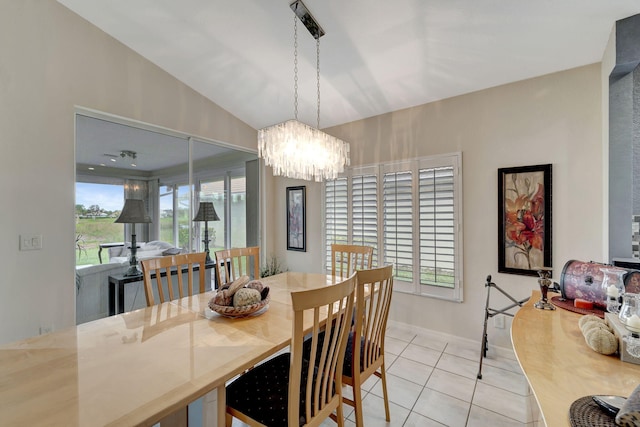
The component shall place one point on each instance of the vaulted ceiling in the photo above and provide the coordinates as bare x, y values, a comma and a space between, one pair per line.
377, 55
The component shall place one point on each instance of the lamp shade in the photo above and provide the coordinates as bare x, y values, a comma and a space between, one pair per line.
206, 212
133, 212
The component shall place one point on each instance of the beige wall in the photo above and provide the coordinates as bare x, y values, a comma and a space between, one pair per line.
51, 61
550, 119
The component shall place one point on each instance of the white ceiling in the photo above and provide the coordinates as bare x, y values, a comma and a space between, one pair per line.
100, 142
377, 55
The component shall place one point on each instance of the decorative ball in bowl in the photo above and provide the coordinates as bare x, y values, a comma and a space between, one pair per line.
241, 298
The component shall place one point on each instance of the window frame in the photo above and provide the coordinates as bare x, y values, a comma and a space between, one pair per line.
453, 160
226, 178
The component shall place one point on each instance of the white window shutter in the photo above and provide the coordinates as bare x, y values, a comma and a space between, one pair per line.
364, 212
437, 227
398, 223
336, 215
411, 213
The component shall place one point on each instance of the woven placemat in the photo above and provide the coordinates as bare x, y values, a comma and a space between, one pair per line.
584, 412
568, 305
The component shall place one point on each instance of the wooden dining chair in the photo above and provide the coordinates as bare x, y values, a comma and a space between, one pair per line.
345, 259
236, 262
289, 390
373, 300
162, 267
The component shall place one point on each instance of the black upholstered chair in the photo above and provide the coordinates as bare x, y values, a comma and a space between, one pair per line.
289, 390
369, 324
373, 300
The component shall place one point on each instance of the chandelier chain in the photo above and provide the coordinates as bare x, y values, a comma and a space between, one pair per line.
318, 76
295, 67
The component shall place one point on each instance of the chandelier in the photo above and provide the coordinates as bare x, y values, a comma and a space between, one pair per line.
292, 148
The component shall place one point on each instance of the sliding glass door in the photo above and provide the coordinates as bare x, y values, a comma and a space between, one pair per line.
172, 173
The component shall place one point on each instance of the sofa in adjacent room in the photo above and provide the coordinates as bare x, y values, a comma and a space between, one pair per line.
146, 250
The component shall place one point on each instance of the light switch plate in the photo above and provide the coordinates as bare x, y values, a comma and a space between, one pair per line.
30, 242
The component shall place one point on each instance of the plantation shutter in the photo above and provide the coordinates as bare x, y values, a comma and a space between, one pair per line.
336, 215
397, 223
437, 227
364, 212
411, 213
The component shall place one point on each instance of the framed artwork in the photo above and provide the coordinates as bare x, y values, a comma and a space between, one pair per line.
524, 219
296, 219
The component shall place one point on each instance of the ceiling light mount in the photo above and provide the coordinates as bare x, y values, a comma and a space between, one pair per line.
127, 153
307, 19
132, 154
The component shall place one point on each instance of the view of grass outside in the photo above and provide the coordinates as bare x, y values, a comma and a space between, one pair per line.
90, 233
442, 277
97, 207
95, 225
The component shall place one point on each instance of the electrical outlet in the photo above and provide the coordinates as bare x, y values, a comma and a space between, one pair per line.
498, 322
46, 329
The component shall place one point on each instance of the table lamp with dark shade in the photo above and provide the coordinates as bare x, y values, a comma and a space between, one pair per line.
133, 213
206, 213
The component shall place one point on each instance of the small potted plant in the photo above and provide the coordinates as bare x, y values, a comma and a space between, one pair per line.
272, 267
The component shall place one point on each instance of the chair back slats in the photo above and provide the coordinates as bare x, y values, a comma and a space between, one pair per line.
323, 391
164, 268
366, 344
345, 259
236, 262
373, 301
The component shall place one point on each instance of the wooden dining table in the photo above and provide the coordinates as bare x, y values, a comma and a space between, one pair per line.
138, 367
558, 364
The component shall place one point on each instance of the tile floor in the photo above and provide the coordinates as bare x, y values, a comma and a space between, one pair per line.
431, 379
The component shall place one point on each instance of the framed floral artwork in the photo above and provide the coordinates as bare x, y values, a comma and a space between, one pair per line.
296, 219
524, 219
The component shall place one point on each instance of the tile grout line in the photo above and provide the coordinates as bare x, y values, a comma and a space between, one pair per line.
424, 387
411, 411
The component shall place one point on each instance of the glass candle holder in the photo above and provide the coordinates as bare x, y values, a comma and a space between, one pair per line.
613, 286
630, 304
633, 339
